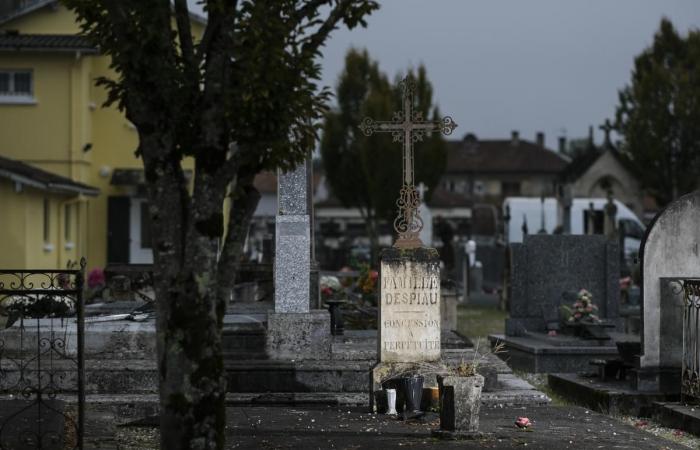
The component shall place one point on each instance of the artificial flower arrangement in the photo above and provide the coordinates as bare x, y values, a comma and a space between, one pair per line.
331, 289
582, 311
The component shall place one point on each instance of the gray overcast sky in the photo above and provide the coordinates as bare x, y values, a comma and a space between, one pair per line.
502, 65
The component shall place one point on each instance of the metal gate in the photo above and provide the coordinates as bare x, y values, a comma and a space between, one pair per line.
42, 392
690, 382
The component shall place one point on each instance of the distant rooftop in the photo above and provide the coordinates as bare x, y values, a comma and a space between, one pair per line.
12, 9
10, 41
515, 155
26, 174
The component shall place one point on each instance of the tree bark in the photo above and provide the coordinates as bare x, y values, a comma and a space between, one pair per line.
189, 314
244, 202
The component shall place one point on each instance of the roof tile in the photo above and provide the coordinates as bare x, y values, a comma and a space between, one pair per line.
502, 156
47, 180
45, 42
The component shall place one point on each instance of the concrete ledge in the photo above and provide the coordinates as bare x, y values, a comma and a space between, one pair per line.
677, 415
532, 355
610, 397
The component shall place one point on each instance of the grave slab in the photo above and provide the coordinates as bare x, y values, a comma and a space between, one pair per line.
610, 396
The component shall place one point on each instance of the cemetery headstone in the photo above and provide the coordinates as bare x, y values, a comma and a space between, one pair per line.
545, 267
294, 330
610, 226
670, 253
409, 311
409, 318
565, 201
546, 273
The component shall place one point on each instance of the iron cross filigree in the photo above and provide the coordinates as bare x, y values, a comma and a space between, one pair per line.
408, 127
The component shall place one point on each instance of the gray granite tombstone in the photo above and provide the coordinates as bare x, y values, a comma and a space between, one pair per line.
670, 253
294, 330
545, 267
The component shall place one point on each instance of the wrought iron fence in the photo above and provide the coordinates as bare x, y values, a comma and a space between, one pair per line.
42, 379
690, 381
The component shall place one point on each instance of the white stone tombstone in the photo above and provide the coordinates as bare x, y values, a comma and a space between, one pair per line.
409, 317
409, 314
670, 249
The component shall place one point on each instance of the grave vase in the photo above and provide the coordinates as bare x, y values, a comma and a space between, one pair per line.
412, 388
391, 401
460, 402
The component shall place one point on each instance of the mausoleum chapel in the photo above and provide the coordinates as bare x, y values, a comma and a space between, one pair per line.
320, 224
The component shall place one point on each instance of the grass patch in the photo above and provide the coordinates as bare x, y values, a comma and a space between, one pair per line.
540, 382
480, 321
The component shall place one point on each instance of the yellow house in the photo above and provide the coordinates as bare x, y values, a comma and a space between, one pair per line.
51, 120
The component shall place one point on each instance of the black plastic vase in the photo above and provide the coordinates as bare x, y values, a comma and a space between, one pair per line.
412, 388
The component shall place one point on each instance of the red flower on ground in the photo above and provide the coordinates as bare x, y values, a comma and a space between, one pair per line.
523, 422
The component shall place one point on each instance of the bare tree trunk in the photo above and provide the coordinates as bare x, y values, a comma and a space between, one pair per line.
244, 201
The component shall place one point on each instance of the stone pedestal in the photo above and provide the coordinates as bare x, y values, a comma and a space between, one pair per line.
299, 335
409, 322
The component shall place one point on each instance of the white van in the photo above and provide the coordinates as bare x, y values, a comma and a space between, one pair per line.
529, 210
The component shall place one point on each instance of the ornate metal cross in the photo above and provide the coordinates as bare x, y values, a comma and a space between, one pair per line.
408, 127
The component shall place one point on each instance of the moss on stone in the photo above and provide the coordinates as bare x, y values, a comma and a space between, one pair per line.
422, 254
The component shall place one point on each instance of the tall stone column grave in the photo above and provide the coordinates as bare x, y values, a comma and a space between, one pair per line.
294, 331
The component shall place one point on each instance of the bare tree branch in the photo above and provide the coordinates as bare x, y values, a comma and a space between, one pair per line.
184, 32
244, 201
213, 24
319, 37
218, 15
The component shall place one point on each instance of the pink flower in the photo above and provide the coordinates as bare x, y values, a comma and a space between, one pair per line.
552, 333
96, 278
523, 422
625, 282
577, 315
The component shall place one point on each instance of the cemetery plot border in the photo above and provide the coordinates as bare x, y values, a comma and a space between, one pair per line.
42, 359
